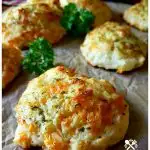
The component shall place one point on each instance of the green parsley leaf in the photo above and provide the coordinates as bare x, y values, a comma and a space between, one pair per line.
39, 58
76, 21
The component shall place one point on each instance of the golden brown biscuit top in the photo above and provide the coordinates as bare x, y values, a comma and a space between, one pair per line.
29, 14
112, 36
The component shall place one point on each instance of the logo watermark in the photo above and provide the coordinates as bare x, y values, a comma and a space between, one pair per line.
131, 144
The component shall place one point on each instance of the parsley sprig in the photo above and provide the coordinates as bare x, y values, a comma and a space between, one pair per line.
39, 58
76, 21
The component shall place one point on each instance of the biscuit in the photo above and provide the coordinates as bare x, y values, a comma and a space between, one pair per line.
26, 22
61, 110
11, 60
113, 46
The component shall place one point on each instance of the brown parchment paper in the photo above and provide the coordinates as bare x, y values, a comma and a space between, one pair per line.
134, 85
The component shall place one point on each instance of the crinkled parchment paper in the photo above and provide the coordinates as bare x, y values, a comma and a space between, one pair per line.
134, 85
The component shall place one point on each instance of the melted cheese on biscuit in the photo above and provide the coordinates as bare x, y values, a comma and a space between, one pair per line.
63, 110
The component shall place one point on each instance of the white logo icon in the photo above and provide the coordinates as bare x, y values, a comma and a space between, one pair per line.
130, 144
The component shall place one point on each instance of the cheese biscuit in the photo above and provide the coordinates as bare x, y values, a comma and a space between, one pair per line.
113, 46
61, 110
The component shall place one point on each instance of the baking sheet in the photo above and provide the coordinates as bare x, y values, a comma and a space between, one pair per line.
134, 85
